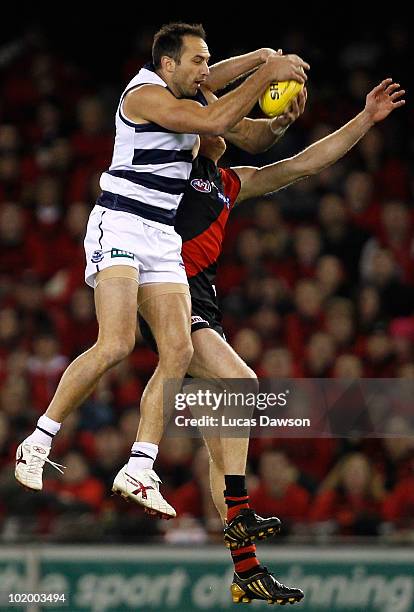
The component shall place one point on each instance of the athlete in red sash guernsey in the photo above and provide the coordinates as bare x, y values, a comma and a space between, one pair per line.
201, 222
204, 210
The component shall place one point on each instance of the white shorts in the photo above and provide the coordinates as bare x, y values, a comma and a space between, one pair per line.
116, 238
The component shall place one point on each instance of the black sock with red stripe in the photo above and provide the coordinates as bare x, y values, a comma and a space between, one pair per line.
235, 495
245, 561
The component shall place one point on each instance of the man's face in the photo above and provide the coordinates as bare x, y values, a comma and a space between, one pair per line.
192, 69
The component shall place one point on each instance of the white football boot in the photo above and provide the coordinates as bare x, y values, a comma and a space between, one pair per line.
144, 489
30, 461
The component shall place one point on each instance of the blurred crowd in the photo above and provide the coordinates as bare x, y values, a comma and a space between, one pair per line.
315, 281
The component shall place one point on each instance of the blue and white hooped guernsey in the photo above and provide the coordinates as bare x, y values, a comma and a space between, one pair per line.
150, 164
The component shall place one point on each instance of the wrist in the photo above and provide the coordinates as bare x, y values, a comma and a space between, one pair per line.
367, 118
264, 54
277, 128
265, 73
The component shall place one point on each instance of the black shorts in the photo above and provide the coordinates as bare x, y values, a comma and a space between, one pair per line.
199, 320
204, 314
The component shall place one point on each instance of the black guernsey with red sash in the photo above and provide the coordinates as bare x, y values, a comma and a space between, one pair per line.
201, 222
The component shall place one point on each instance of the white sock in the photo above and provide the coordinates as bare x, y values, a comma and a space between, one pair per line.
143, 455
45, 431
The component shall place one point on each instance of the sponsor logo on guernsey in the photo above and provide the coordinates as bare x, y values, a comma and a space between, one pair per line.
120, 253
97, 256
200, 185
223, 198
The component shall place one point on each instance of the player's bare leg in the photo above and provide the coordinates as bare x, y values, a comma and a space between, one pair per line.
116, 306
166, 307
217, 482
215, 359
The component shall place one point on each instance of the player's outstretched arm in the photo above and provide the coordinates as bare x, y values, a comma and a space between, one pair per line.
224, 72
380, 102
258, 135
154, 103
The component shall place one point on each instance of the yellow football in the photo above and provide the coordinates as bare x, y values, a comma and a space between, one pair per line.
277, 97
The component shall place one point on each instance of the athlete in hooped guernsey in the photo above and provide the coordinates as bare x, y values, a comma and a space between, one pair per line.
150, 164
147, 177
132, 250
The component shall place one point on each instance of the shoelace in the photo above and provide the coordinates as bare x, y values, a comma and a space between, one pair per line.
36, 462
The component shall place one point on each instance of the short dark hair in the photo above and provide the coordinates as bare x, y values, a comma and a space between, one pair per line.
169, 40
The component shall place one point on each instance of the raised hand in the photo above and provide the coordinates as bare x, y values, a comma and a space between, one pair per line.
286, 68
383, 99
267, 52
293, 111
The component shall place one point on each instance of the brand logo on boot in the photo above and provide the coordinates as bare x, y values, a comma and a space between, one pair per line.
143, 490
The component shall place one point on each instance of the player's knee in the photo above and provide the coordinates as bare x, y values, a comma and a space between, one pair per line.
116, 350
188, 352
183, 355
249, 377
177, 353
